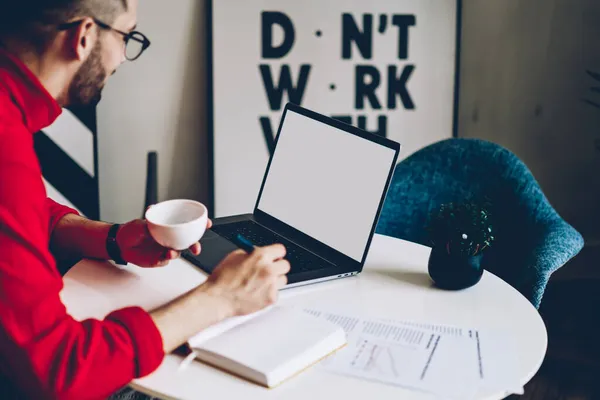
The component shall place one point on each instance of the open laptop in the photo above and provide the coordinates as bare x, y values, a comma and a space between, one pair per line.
321, 197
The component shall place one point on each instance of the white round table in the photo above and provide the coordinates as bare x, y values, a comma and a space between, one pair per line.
394, 284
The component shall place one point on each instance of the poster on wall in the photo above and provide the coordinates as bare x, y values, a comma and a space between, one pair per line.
67, 151
387, 66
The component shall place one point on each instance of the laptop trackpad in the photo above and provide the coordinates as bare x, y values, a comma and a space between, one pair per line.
214, 249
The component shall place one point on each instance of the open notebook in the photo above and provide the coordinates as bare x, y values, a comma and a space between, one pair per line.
268, 347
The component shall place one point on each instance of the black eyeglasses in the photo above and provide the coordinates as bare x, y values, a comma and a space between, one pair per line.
135, 42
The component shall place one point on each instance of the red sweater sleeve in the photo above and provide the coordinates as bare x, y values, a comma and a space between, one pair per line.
45, 352
56, 212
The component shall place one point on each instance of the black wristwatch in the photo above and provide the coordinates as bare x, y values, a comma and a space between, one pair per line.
112, 248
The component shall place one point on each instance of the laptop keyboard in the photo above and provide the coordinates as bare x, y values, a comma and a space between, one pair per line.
300, 259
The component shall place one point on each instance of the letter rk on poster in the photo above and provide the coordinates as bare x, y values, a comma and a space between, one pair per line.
387, 66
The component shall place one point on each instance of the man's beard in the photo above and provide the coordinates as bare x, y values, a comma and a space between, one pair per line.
87, 85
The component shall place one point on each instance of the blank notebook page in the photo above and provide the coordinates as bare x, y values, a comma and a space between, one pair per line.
270, 340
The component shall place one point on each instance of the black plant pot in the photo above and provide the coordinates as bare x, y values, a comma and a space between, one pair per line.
454, 272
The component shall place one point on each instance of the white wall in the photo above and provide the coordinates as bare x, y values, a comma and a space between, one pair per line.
522, 83
156, 103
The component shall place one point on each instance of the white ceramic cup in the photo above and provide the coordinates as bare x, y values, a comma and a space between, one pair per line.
177, 224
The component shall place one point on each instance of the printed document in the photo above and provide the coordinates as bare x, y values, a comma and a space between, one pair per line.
450, 362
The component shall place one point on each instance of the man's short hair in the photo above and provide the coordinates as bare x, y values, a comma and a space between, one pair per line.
35, 21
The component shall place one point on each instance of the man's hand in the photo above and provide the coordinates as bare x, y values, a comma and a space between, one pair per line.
250, 282
138, 247
78, 237
241, 284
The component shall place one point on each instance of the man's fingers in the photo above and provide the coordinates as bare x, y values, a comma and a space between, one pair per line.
281, 281
274, 251
164, 254
238, 254
209, 223
195, 249
280, 267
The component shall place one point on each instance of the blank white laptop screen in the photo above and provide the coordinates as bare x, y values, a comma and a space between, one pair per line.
326, 182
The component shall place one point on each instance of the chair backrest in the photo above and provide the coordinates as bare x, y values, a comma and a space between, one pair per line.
151, 192
458, 170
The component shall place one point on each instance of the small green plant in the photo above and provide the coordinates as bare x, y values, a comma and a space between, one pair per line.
464, 228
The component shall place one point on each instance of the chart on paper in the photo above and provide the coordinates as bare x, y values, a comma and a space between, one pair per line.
383, 360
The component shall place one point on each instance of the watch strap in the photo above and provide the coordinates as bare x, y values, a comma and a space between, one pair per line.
112, 247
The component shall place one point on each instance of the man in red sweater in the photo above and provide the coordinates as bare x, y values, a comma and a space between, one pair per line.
59, 53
